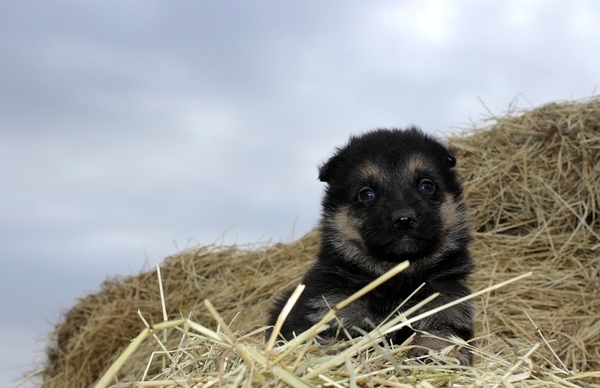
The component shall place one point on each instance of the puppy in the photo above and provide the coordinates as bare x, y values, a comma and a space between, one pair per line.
391, 196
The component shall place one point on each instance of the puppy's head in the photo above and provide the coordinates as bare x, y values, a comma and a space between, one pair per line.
391, 196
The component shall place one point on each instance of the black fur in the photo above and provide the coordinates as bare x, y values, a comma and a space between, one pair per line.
391, 196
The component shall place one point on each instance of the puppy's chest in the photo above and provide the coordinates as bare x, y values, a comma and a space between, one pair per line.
385, 299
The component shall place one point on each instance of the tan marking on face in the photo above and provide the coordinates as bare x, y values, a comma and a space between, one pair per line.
346, 238
454, 221
370, 171
347, 226
417, 164
450, 213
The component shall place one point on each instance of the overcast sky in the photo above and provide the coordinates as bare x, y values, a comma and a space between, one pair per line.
131, 130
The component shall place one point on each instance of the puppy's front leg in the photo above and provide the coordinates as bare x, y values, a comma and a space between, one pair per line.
453, 321
424, 343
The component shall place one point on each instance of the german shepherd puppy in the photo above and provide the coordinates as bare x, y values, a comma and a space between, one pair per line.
391, 196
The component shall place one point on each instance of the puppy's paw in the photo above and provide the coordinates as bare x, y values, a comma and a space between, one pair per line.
430, 349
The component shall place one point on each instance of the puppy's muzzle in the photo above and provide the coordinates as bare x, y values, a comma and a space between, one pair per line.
404, 220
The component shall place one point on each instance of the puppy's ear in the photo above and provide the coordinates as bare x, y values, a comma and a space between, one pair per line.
328, 168
450, 159
324, 171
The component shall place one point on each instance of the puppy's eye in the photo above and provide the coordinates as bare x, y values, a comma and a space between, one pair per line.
366, 194
426, 186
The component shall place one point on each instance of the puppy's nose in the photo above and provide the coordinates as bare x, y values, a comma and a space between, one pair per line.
404, 219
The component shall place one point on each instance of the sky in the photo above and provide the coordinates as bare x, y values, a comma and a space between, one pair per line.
130, 130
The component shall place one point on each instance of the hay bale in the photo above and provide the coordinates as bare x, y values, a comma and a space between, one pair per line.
237, 279
531, 183
533, 187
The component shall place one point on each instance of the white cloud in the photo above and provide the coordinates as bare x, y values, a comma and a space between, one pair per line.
429, 23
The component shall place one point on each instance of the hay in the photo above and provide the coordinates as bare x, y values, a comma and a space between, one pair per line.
97, 329
531, 183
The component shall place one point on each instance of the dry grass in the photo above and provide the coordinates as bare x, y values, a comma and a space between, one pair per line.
532, 186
